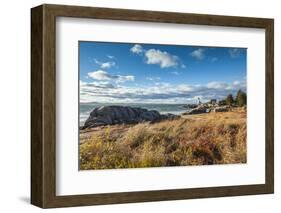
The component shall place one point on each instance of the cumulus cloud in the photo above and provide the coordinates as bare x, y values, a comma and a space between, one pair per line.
102, 75
107, 65
99, 75
155, 56
162, 58
137, 49
198, 54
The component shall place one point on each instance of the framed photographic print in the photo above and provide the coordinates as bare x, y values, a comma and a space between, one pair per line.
136, 106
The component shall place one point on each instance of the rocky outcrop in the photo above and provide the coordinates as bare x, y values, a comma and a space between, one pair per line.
191, 106
221, 109
198, 110
206, 109
109, 115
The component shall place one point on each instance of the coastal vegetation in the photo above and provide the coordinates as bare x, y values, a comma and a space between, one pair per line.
201, 139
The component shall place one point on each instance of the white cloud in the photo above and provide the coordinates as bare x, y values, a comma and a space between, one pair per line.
102, 75
97, 61
121, 79
110, 56
105, 65
160, 92
235, 83
82, 83
99, 75
162, 58
100, 84
154, 56
234, 53
153, 78
137, 49
163, 84
198, 54
217, 85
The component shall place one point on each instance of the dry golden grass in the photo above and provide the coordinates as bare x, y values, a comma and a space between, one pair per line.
204, 139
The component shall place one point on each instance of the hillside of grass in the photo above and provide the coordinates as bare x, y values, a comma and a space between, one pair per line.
205, 139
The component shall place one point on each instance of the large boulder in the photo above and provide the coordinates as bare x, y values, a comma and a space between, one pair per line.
109, 115
169, 116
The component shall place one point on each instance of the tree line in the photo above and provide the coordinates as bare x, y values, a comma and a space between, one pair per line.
239, 100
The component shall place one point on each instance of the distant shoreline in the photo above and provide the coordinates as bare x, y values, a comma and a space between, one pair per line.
176, 109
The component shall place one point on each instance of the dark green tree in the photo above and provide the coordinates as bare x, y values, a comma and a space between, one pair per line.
229, 100
222, 102
241, 98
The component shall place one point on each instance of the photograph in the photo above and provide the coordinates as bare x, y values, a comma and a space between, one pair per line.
161, 105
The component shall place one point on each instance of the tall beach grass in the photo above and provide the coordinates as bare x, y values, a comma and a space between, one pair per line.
214, 138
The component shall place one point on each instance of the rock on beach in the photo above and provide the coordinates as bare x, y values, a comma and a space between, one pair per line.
110, 115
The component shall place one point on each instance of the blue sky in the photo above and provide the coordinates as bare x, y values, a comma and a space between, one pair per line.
153, 73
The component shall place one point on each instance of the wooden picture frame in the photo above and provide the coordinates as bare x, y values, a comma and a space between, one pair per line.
43, 105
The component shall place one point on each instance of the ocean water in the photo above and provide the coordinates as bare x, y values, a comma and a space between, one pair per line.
86, 108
